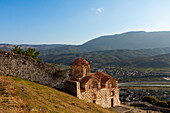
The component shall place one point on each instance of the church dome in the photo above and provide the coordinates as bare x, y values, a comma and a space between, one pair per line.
80, 61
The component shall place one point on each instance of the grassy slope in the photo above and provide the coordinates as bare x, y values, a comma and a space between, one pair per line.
42, 97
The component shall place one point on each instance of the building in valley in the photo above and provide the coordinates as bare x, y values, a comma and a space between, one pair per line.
98, 87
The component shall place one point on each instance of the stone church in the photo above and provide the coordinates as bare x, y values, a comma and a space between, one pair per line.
98, 87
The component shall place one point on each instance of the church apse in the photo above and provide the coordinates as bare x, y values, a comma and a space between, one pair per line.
99, 88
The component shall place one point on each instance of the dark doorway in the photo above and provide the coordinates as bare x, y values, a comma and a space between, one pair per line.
94, 101
111, 102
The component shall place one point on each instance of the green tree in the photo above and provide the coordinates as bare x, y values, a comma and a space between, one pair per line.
54, 64
28, 52
168, 104
149, 99
31, 52
17, 50
161, 104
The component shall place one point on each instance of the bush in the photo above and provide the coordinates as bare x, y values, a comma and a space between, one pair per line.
149, 99
161, 103
28, 52
168, 104
1, 88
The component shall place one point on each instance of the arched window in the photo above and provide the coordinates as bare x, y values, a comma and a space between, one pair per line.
78, 70
94, 96
85, 71
112, 93
94, 84
111, 85
108, 84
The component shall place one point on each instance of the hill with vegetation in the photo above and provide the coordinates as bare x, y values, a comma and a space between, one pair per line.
130, 40
40, 98
133, 58
158, 61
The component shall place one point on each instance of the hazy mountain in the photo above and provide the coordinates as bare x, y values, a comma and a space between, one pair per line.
130, 40
8, 47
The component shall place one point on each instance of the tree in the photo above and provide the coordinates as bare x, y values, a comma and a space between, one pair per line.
31, 52
168, 104
54, 64
149, 99
161, 104
17, 50
28, 52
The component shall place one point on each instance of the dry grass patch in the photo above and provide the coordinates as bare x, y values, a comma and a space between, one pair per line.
42, 98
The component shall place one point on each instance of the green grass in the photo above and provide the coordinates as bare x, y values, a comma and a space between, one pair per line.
50, 100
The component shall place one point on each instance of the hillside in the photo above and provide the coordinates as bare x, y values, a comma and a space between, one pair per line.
133, 58
130, 40
158, 61
40, 98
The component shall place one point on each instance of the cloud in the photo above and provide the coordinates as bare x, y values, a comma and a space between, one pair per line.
100, 10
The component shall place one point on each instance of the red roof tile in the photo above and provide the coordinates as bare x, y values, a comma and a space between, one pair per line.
85, 79
94, 75
104, 79
80, 61
101, 75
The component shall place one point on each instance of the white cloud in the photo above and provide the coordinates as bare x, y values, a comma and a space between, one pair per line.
100, 10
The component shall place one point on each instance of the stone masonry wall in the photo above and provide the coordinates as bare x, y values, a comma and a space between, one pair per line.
116, 100
103, 97
30, 69
73, 87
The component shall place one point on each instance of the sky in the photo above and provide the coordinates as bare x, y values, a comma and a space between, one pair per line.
78, 21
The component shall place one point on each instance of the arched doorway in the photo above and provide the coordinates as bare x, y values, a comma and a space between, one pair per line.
112, 102
94, 98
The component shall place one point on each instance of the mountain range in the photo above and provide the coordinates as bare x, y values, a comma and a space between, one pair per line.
130, 48
129, 40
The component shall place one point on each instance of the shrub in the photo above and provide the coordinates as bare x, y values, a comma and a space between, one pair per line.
5, 101
168, 104
149, 99
28, 52
1, 88
161, 103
